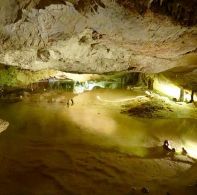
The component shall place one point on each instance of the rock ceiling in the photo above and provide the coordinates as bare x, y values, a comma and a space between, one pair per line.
99, 36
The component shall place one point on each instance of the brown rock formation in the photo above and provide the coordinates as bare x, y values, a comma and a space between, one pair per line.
98, 36
3, 125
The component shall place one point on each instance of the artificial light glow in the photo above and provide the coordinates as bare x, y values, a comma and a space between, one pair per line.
90, 86
118, 100
195, 97
76, 77
191, 148
88, 119
86, 86
148, 93
167, 89
187, 96
78, 89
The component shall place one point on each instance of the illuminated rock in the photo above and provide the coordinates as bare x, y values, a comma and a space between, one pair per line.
3, 125
94, 36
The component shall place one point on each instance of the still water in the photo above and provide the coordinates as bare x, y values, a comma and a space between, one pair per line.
51, 148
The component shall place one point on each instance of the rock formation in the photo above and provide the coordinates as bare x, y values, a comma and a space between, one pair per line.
98, 36
3, 125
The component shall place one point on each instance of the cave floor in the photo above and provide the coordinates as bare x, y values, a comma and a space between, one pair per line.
95, 146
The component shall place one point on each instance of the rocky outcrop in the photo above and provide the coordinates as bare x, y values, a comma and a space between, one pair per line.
96, 36
3, 125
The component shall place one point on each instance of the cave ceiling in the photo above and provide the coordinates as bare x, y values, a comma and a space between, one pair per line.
99, 36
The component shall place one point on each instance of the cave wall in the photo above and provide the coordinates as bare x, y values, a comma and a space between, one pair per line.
98, 36
181, 11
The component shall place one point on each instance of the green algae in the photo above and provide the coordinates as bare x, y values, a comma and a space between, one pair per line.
15, 77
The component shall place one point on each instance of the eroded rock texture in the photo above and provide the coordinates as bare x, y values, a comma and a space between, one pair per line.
98, 36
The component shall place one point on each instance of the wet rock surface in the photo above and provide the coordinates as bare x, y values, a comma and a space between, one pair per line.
57, 149
3, 125
156, 106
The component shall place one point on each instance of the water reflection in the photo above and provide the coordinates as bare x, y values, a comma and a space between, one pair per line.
58, 150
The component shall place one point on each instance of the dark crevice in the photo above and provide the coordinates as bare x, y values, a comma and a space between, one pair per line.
44, 3
20, 13
180, 10
86, 5
19, 16
26, 6
135, 5
184, 12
